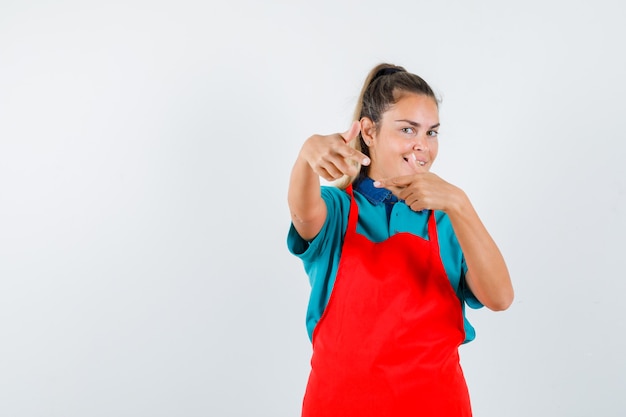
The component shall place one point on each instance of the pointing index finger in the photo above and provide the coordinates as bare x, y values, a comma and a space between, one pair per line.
397, 182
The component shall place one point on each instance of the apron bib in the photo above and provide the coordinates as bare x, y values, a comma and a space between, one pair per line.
387, 342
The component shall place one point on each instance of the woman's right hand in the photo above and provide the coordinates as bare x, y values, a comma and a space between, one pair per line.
331, 156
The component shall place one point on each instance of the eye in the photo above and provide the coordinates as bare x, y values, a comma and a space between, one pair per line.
432, 133
408, 130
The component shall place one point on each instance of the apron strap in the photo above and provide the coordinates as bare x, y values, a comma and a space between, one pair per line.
432, 229
353, 217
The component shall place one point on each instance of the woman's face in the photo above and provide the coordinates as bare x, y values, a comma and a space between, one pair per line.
404, 141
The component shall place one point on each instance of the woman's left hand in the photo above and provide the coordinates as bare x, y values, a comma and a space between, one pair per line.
487, 274
424, 191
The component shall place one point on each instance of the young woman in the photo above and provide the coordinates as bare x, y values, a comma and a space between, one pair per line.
393, 254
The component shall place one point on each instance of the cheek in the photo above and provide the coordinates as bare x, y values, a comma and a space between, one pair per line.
402, 145
434, 149
393, 147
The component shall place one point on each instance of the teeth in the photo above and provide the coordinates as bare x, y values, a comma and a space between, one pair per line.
414, 158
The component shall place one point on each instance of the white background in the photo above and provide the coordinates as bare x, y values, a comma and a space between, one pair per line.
145, 149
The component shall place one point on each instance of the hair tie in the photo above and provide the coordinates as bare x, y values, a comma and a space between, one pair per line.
387, 71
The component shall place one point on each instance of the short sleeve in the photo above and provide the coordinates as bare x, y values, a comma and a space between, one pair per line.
468, 296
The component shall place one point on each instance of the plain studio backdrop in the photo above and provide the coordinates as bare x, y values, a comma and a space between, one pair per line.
145, 150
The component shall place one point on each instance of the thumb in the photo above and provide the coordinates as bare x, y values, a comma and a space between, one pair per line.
351, 134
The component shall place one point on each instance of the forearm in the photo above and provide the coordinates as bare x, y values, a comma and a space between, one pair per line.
488, 276
307, 208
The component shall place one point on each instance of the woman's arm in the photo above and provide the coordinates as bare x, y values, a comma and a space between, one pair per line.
329, 157
487, 274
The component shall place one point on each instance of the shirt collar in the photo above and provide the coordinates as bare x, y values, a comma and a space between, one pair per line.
365, 187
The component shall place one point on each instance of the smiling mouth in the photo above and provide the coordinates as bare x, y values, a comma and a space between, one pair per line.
420, 163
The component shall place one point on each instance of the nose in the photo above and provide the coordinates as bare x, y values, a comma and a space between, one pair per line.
421, 144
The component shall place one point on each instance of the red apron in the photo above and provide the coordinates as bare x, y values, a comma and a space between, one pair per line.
387, 342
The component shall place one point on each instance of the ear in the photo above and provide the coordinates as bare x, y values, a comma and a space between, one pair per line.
368, 130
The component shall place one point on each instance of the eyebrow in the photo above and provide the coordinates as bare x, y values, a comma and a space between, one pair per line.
415, 124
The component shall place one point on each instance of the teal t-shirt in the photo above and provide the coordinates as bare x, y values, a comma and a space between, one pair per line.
380, 216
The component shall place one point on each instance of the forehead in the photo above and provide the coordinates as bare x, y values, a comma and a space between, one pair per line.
416, 107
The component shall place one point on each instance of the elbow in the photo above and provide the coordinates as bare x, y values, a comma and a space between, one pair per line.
496, 293
502, 302
500, 306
